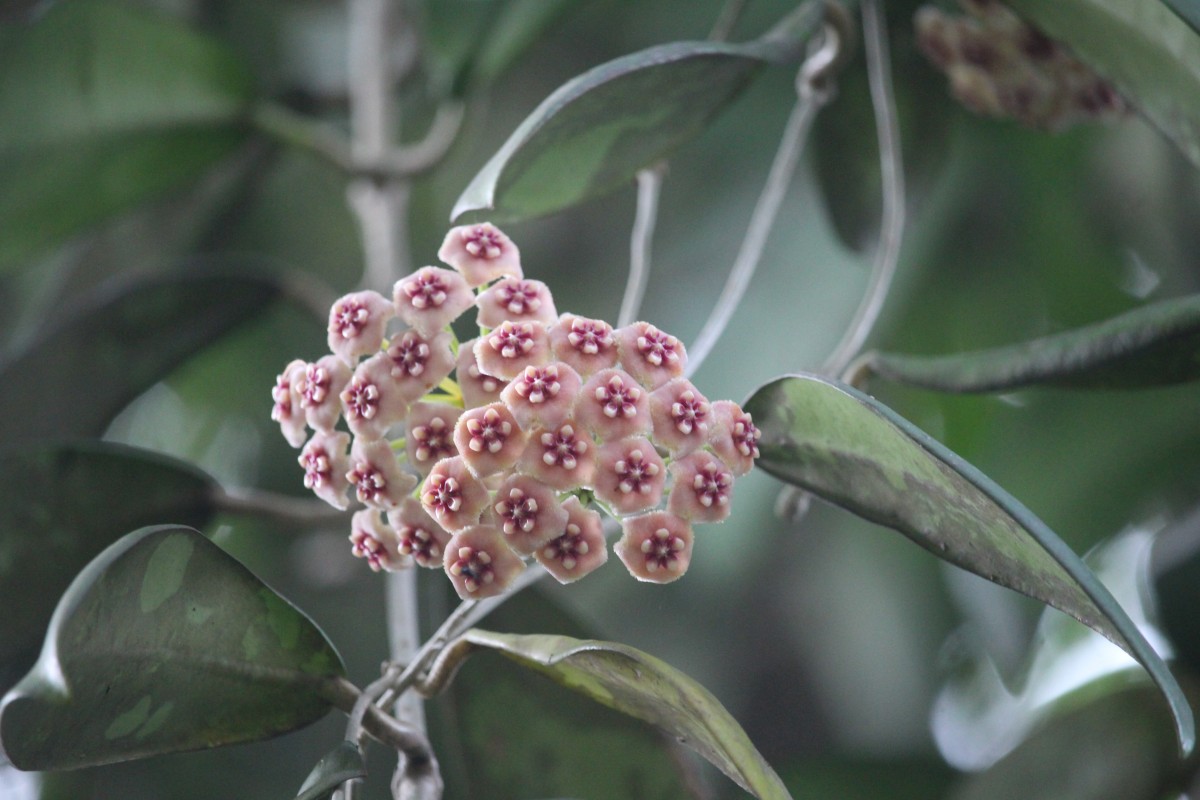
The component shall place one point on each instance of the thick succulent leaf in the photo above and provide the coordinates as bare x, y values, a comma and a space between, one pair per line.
343, 763
72, 381
1115, 747
1156, 345
567, 745
89, 495
1151, 55
101, 107
642, 686
165, 643
597, 130
853, 451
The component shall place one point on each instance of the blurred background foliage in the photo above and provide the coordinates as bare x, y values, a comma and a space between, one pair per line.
860, 666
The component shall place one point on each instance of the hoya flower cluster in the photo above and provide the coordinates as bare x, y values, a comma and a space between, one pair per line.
1001, 66
546, 418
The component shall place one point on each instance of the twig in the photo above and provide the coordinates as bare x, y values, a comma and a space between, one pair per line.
649, 182
294, 511
813, 93
381, 207
730, 13
329, 144
892, 169
420, 767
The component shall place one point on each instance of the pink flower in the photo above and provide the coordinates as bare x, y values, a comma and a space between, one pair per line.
431, 298
543, 395
681, 416
613, 406
478, 388
325, 463
452, 495
431, 434
418, 535
655, 547
562, 457
528, 513
580, 549
517, 300
374, 541
372, 402
419, 363
286, 409
319, 386
702, 489
651, 356
479, 563
356, 324
630, 476
510, 348
488, 439
588, 345
734, 436
376, 474
481, 253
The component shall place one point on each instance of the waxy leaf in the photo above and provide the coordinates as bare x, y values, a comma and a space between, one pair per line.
853, 451
343, 763
642, 686
165, 643
103, 106
87, 496
72, 381
1156, 345
1149, 53
567, 746
597, 130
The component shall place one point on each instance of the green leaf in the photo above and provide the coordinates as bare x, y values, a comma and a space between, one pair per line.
343, 763
46, 197
644, 687
1155, 345
566, 746
597, 130
72, 381
1187, 10
165, 643
475, 41
845, 147
853, 451
1114, 747
1150, 54
101, 107
99, 492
